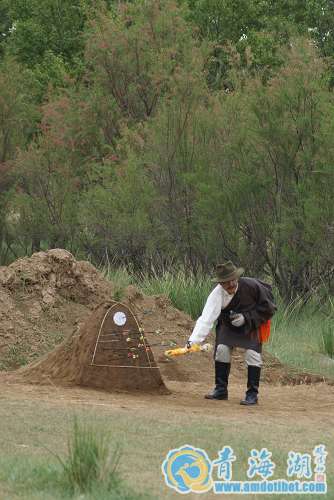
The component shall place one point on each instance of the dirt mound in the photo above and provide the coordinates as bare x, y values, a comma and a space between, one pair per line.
104, 354
41, 299
50, 297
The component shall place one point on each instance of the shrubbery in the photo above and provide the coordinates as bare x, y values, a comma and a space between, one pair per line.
164, 135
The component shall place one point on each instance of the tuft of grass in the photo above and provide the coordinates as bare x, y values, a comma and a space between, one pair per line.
327, 339
90, 462
186, 291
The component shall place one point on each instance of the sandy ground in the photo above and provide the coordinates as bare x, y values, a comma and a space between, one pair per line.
307, 402
287, 417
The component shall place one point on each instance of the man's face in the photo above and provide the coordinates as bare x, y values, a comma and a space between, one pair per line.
230, 286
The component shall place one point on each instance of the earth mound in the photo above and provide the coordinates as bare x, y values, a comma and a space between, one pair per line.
41, 300
106, 353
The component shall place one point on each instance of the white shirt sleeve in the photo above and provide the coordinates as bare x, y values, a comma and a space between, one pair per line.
209, 315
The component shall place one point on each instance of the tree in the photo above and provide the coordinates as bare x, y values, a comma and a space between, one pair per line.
257, 30
47, 37
283, 220
51, 25
138, 55
47, 198
175, 144
17, 112
18, 117
118, 214
5, 25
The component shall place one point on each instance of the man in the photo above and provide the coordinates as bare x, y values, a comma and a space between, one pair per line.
241, 306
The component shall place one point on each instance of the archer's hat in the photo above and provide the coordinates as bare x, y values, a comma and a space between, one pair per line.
227, 272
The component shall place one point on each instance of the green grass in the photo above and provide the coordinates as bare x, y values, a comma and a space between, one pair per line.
34, 479
327, 338
298, 336
186, 291
91, 460
120, 278
87, 469
146, 433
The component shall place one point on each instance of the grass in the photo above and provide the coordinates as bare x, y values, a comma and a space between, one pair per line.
327, 338
90, 462
88, 471
120, 278
146, 434
34, 479
186, 291
299, 337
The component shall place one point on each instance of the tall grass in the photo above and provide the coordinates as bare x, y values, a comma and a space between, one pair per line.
186, 291
120, 277
90, 462
327, 338
302, 338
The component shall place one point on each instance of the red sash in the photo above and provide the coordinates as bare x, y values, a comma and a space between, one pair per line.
264, 331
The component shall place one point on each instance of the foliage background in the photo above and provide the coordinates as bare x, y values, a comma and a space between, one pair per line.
161, 134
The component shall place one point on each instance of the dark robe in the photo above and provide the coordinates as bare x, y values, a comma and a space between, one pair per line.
253, 299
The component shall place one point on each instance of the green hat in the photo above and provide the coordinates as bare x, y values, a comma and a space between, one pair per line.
227, 272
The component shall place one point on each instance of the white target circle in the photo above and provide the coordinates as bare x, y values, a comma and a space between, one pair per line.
119, 318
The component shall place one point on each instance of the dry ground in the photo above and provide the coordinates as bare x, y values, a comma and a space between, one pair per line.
287, 418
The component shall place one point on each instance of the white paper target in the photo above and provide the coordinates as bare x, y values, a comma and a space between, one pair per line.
119, 318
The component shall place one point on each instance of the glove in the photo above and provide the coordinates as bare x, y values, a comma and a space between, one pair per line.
238, 320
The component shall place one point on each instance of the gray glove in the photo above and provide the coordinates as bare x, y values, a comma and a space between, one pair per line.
238, 320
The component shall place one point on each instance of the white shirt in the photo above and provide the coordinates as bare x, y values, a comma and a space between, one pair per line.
217, 300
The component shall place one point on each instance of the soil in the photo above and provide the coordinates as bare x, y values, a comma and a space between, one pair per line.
290, 404
51, 304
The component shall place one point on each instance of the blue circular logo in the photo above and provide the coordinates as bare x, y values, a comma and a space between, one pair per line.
187, 469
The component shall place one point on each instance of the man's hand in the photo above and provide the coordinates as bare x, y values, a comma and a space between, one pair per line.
238, 320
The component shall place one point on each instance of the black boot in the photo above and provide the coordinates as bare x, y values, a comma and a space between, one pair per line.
222, 371
253, 382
